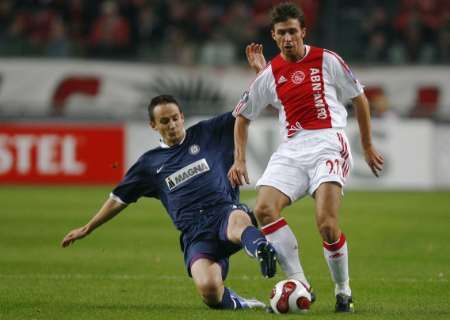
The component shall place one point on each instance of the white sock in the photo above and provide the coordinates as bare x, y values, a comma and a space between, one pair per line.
283, 240
336, 255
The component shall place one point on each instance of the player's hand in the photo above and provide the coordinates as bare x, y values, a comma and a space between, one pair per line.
374, 159
255, 57
238, 174
74, 235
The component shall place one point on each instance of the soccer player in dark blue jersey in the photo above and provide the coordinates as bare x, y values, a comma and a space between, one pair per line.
188, 174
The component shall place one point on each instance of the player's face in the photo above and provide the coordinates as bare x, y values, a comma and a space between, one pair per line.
289, 37
169, 122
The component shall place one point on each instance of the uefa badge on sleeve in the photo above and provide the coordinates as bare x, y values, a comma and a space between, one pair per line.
245, 96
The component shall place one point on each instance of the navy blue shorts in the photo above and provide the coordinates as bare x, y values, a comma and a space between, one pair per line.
208, 238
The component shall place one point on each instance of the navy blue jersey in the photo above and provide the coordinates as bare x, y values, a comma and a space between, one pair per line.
187, 177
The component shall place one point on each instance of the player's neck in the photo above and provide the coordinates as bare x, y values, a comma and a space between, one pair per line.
174, 142
295, 57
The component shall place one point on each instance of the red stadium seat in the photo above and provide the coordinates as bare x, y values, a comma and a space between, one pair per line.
427, 102
374, 94
373, 91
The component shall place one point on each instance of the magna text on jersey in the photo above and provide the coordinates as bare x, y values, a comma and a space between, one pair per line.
187, 173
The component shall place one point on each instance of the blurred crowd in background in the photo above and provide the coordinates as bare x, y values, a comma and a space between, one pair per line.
216, 32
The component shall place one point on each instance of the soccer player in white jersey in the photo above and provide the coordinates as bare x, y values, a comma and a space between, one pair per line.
308, 86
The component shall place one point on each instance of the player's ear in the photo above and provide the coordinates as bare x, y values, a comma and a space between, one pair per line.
272, 33
303, 32
152, 125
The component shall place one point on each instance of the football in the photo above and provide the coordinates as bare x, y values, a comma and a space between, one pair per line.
290, 296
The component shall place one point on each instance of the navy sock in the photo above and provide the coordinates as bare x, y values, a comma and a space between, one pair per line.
228, 301
251, 238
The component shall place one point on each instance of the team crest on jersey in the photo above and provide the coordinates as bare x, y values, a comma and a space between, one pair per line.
298, 77
194, 149
187, 173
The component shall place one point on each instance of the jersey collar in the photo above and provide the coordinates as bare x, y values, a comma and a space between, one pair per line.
165, 146
307, 50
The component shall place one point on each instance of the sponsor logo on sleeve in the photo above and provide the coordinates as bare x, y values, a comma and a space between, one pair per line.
242, 103
244, 97
184, 174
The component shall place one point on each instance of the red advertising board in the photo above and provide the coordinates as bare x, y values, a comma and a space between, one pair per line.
60, 153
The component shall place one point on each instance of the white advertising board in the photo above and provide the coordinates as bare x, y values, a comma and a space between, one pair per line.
96, 88
407, 148
441, 156
417, 154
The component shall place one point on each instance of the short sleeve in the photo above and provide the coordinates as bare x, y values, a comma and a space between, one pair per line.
219, 129
257, 97
348, 84
221, 124
138, 182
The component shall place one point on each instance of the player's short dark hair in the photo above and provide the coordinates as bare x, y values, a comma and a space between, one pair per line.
161, 99
285, 11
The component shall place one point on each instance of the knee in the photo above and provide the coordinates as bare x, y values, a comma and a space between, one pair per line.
266, 213
329, 231
210, 291
239, 220
237, 223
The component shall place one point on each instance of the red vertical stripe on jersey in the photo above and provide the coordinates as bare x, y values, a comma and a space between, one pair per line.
300, 88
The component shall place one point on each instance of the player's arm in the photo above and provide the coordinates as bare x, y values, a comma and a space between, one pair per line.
238, 171
251, 103
350, 87
109, 209
373, 158
255, 57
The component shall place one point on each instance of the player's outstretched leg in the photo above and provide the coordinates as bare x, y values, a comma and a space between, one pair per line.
267, 259
208, 278
243, 303
232, 301
269, 203
285, 243
241, 230
256, 245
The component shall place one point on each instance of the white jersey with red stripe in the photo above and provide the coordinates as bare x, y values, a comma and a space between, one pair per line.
309, 94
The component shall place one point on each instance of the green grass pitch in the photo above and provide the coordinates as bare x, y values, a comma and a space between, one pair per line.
131, 268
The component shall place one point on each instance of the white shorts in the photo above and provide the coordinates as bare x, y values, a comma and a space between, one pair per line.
308, 159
